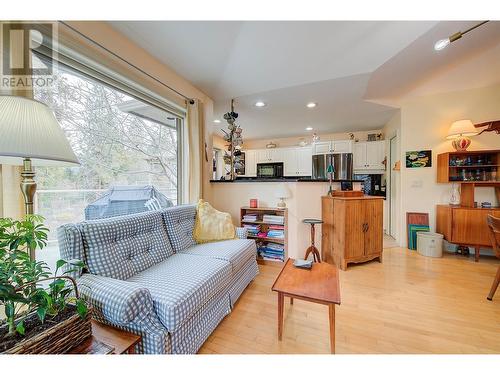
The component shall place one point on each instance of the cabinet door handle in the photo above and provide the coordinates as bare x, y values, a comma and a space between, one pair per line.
364, 227
367, 227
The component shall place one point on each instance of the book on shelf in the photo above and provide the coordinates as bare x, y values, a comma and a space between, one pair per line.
250, 218
276, 234
276, 227
273, 219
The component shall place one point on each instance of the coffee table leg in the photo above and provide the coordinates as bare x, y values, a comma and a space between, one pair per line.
281, 299
331, 316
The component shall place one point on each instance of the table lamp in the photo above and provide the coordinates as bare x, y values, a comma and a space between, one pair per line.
282, 192
29, 130
459, 132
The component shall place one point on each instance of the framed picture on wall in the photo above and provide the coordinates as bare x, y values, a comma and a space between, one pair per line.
418, 159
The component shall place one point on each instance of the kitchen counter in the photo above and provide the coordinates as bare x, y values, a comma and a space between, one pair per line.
284, 179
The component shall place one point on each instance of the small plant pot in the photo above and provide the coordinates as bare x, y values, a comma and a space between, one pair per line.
59, 337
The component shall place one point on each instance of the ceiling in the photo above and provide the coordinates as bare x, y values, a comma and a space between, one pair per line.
346, 67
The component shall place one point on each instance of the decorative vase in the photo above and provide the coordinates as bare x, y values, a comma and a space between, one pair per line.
461, 143
455, 195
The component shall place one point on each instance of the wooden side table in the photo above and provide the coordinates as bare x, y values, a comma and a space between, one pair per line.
107, 340
319, 284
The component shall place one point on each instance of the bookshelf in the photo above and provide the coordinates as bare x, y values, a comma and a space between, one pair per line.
264, 227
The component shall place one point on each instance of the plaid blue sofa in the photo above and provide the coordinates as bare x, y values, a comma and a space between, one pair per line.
146, 274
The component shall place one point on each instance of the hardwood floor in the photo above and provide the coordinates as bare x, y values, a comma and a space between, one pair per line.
407, 304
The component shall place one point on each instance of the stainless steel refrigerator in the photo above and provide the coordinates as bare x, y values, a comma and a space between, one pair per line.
342, 164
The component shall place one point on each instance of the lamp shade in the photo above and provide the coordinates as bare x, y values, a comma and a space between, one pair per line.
29, 129
461, 128
282, 191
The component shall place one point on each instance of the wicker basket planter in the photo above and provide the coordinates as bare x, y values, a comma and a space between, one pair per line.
58, 339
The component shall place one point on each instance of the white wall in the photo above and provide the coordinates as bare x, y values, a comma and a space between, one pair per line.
424, 125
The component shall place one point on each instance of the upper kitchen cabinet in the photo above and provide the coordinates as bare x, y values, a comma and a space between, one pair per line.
298, 161
250, 163
270, 155
369, 155
332, 147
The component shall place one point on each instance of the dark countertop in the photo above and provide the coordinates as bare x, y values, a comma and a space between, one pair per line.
284, 179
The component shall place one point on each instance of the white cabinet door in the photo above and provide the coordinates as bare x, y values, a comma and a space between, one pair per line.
340, 147
262, 156
275, 155
250, 163
375, 154
359, 155
322, 148
290, 161
304, 161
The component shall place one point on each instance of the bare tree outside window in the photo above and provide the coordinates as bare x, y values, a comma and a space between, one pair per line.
118, 140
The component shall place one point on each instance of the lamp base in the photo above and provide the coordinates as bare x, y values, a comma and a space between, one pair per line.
461, 143
281, 203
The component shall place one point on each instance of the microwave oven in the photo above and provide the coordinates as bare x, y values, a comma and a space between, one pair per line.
269, 170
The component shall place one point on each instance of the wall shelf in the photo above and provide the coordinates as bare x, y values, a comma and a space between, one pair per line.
477, 167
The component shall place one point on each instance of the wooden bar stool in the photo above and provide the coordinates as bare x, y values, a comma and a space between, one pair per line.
312, 249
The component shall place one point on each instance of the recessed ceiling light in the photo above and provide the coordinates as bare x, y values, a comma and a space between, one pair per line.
311, 105
217, 121
260, 104
309, 128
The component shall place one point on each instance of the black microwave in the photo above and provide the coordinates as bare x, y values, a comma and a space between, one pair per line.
270, 170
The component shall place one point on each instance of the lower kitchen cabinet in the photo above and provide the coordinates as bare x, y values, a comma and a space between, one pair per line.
352, 229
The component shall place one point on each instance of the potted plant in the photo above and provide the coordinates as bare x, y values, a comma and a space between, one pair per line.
41, 313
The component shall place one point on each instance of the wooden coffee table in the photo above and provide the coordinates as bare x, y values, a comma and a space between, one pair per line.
319, 284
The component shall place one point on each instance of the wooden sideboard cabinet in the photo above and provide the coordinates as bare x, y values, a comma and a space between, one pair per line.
352, 229
465, 226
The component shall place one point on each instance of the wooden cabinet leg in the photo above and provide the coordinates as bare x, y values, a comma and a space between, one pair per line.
476, 253
291, 301
281, 299
331, 318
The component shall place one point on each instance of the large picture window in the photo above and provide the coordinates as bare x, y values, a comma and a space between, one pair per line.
119, 141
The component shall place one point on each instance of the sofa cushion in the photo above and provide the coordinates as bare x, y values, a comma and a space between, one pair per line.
236, 252
182, 284
122, 246
179, 221
212, 225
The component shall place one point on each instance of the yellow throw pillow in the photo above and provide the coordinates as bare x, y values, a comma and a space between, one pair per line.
212, 225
